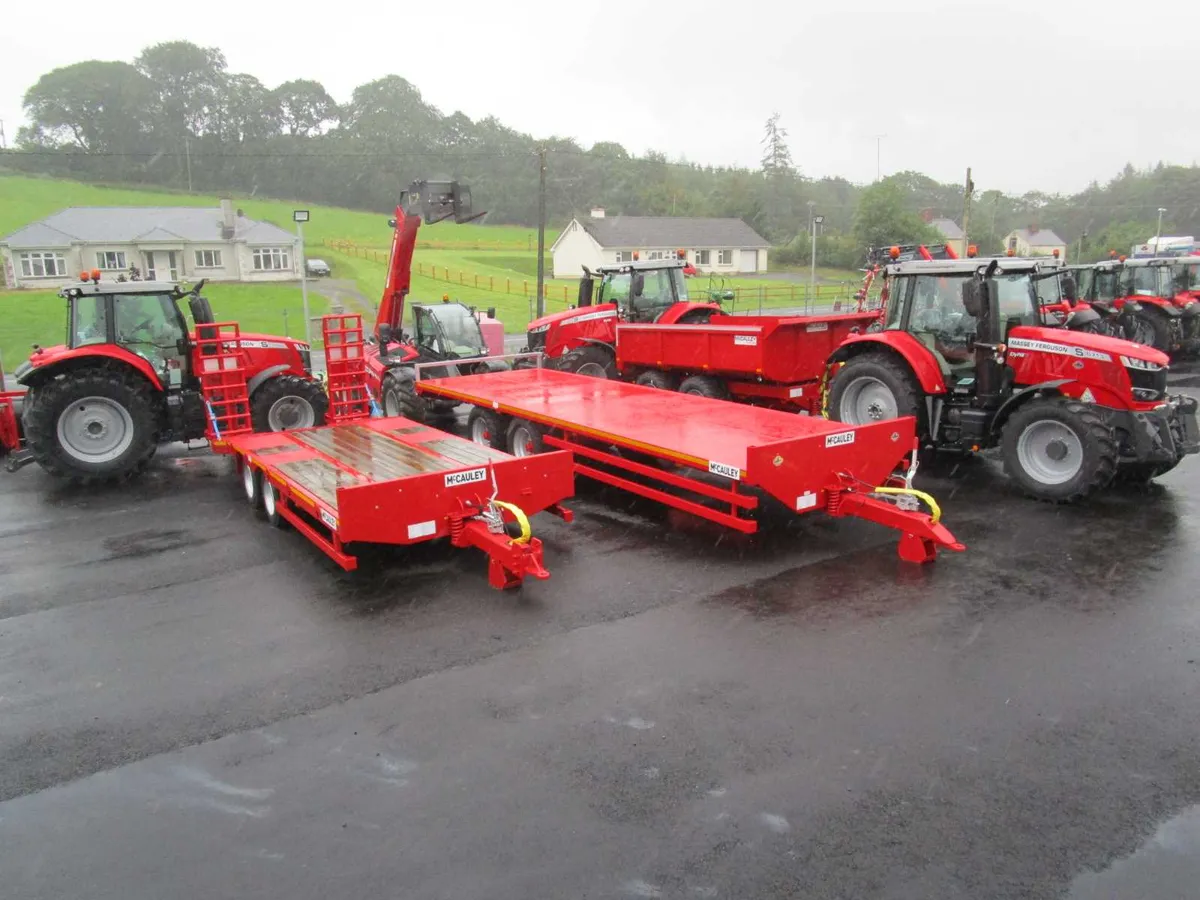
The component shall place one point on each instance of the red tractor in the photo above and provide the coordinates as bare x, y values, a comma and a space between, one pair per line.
583, 339
1164, 318
964, 349
97, 407
445, 331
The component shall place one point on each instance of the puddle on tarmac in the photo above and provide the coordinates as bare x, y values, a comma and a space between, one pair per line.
1166, 867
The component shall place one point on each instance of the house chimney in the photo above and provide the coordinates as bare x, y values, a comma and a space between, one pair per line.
227, 220
597, 212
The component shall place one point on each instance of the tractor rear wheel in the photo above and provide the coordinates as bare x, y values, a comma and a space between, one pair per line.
1152, 328
874, 387
657, 379
92, 425
1059, 450
484, 426
592, 360
704, 386
288, 402
400, 396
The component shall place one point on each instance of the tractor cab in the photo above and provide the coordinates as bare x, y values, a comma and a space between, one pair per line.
642, 289
448, 331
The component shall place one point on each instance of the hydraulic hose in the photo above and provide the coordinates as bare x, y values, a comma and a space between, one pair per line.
920, 495
522, 520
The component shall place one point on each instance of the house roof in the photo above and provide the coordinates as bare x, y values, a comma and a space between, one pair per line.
637, 232
949, 229
1043, 237
128, 224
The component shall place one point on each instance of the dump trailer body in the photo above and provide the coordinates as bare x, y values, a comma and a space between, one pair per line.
805, 463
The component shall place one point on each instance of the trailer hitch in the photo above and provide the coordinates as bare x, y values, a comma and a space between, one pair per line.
920, 533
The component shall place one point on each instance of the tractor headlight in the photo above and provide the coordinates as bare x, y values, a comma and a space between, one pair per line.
1143, 364
538, 329
305, 357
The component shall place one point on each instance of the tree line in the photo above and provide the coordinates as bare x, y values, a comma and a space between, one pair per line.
176, 117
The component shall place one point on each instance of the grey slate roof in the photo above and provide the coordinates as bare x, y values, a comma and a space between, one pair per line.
949, 229
1043, 237
124, 225
635, 232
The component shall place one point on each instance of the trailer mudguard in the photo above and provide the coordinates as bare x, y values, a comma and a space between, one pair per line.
55, 362
902, 344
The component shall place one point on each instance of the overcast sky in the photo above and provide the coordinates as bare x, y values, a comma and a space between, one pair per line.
1036, 96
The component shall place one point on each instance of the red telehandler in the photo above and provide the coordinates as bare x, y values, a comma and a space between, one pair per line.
446, 331
97, 407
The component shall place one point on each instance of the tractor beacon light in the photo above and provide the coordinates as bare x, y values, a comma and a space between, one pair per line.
972, 250
96, 275
1012, 252
894, 252
1056, 254
83, 276
635, 254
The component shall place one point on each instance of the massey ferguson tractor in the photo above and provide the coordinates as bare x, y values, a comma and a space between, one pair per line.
445, 331
583, 339
964, 349
97, 407
1164, 317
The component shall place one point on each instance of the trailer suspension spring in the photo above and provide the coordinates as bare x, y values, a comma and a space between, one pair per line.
456, 528
833, 501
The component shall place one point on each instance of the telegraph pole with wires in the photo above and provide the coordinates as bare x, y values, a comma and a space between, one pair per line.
541, 250
968, 190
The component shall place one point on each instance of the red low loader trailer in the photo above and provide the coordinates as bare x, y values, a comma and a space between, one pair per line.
775, 361
646, 441
379, 480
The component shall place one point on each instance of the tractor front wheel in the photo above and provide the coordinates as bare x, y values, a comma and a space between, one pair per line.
1059, 450
400, 397
288, 402
597, 362
92, 425
872, 388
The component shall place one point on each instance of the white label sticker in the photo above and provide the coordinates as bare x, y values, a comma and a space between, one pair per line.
807, 500
454, 479
421, 529
817, 326
1058, 349
745, 340
728, 471
796, 392
840, 439
329, 520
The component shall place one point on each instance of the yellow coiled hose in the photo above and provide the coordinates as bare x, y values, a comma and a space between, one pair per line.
522, 520
936, 511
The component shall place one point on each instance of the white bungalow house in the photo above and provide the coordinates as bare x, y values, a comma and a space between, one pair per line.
163, 243
712, 245
1035, 242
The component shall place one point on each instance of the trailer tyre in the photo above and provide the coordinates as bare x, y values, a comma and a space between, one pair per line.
270, 504
657, 379
288, 402
704, 386
1059, 450
598, 362
92, 425
400, 397
873, 388
525, 438
484, 426
251, 482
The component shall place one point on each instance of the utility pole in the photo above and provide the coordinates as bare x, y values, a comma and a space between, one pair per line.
1158, 232
300, 216
541, 251
812, 279
187, 152
3, 139
878, 154
968, 190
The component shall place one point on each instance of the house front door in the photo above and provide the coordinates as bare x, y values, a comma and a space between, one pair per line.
148, 271
162, 264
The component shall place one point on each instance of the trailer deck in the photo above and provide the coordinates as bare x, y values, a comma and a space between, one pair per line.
386, 480
806, 463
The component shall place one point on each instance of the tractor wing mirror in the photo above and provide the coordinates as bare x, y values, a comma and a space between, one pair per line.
974, 297
586, 286
385, 334
638, 285
1070, 290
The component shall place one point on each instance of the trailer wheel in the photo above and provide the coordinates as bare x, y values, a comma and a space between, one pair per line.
704, 386
1152, 328
270, 495
525, 438
1059, 450
657, 379
251, 482
400, 396
287, 402
487, 427
598, 362
874, 387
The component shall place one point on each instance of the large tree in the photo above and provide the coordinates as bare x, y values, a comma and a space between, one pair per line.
884, 218
101, 107
189, 80
305, 107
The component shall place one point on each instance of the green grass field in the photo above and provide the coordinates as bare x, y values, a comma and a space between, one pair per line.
41, 316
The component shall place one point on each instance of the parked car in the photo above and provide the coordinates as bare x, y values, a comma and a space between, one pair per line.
317, 267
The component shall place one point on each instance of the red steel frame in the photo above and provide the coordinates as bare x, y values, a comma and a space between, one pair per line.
10, 435
385, 480
807, 463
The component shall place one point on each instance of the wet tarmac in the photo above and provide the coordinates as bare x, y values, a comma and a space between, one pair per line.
195, 705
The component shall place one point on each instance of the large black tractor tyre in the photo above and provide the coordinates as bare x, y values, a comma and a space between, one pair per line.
591, 359
704, 386
92, 425
696, 317
1059, 450
1152, 328
874, 387
399, 396
288, 402
656, 378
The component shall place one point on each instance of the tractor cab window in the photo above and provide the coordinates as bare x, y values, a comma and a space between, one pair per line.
1104, 286
939, 320
681, 292
897, 289
449, 330
615, 287
1192, 277
1144, 281
89, 321
1015, 297
650, 294
151, 326
1049, 290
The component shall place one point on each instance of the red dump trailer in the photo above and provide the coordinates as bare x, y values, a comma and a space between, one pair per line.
703, 456
776, 361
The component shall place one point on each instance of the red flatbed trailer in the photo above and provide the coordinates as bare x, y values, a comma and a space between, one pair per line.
383, 480
776, 361
806, 463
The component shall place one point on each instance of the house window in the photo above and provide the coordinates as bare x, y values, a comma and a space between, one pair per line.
724, 257
624, 256
43, 264
702, 257
110, 260
655, 254
208, 259
271, 259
